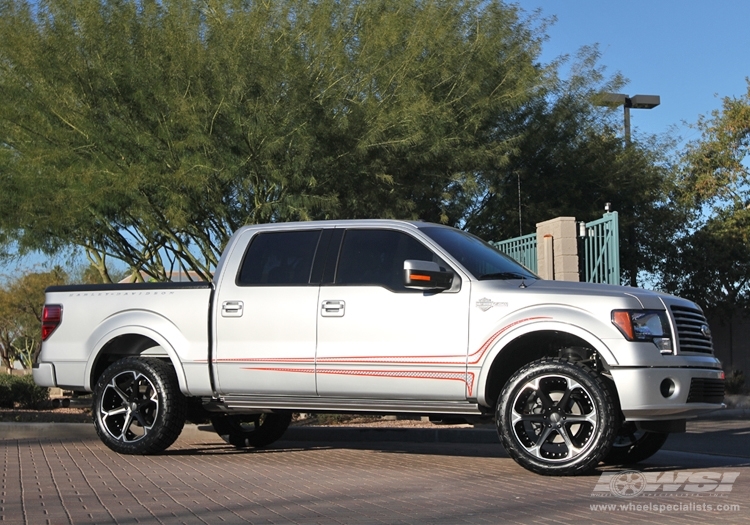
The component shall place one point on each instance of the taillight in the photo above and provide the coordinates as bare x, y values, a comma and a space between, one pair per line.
51, 319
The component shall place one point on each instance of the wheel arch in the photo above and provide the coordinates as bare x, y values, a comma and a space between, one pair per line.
131, 334
528, 343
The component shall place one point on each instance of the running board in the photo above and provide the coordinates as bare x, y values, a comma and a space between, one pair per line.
312, 404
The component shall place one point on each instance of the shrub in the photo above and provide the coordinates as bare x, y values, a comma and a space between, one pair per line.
21, 391
6, 394
734, 382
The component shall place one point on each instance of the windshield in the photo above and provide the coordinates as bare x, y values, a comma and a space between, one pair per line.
481, 259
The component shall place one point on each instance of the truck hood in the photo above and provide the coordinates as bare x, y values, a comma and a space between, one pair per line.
647, 298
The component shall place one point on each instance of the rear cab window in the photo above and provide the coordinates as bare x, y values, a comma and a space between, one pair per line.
279, 259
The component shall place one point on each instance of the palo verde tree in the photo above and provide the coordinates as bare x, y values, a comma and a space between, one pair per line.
149, 131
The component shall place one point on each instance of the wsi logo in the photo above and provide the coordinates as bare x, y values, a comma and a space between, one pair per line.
632, 483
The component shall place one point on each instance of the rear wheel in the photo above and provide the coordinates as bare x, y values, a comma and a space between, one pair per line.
632, 445
138, 407
251, 430
556, 417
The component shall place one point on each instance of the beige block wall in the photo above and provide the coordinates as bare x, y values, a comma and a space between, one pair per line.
564, 263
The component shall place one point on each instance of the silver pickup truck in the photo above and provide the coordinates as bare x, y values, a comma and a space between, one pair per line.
384, 317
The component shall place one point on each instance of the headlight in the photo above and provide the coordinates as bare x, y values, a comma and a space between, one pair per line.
645, 325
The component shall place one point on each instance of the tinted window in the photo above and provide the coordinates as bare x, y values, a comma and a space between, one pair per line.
376, 257
279, 258
480, 258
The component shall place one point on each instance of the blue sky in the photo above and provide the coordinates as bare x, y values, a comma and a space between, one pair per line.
687, 51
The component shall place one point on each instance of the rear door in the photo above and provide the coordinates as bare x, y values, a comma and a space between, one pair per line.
377, 339
266, 318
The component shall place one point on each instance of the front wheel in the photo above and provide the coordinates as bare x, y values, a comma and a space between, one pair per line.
138, 407
556, 417
632, 445
251, 430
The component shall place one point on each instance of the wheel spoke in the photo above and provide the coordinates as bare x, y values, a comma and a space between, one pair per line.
573, 451
531, 418
114, 411
589, 418
126, 426
116, 388
536, 449
563, 403
544, 398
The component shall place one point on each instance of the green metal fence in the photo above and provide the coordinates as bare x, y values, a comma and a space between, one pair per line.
522, 249
600, 250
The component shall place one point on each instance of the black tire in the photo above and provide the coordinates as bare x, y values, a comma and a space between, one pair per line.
251, 430
138, 407
632, 445
556, 417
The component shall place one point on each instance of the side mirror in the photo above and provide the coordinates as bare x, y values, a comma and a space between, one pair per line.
426, 275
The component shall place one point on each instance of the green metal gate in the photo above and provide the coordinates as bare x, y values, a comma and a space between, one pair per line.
600, 250
601, 253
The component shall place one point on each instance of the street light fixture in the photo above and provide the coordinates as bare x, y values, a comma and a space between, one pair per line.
636, 102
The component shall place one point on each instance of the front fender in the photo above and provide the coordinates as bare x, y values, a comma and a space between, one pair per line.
144, 323
562, 320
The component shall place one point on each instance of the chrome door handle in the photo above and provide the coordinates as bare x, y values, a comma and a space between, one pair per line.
232, 308
332, 308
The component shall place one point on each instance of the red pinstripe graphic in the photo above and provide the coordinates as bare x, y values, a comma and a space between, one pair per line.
417, 360
488, 343
465, 377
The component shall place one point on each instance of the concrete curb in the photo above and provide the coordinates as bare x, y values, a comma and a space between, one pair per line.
727, 413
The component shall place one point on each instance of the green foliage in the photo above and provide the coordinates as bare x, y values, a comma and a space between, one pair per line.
149, 132
21, 391
569, 159
711, 265
21, 302
710, 262
735, 382
6, 396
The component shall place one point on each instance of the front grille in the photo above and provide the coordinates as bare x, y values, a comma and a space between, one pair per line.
704, 390
692, 330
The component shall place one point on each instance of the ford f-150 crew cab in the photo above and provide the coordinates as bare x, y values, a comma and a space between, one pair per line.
383, 317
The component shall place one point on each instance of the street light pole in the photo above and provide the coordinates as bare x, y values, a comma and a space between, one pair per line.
636, 101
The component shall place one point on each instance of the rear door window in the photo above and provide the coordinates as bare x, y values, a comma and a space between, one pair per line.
279, 259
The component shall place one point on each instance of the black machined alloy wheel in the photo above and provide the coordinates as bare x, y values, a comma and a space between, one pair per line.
632, 445
251, 430
138, 407
556, 417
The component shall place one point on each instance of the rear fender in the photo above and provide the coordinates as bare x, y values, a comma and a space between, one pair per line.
144, 323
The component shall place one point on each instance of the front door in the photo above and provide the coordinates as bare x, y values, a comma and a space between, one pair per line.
379, 340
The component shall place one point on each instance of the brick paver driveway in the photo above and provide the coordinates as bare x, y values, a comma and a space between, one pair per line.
56, 478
